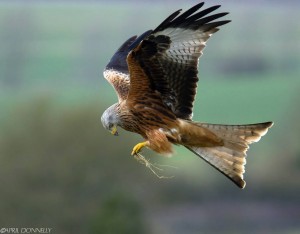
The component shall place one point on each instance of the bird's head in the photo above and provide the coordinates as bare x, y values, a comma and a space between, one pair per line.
110, 119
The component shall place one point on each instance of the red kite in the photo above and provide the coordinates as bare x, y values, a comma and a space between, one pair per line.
155, 78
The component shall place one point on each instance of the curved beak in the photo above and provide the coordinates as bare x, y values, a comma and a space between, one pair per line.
114, 131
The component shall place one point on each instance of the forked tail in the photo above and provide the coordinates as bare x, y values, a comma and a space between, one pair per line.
230, 158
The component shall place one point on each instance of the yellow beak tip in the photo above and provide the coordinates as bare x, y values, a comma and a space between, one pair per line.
114, 131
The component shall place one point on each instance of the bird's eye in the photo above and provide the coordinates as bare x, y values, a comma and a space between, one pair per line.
110, 126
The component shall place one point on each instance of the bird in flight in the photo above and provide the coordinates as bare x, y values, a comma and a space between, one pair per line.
155, 77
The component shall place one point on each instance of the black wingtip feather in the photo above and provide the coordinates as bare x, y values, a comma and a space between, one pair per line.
191, 18
167, 21
212, 25
210, 18
203, 13
188, 13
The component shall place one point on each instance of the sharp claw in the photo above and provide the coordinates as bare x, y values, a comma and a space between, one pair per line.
137, 148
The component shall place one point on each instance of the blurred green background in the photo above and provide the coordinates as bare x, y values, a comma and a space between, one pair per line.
60, 169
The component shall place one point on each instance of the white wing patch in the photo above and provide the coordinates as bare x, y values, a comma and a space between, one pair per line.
120, 81
186, 44
111, 74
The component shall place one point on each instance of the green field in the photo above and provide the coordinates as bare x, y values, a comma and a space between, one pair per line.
60, 169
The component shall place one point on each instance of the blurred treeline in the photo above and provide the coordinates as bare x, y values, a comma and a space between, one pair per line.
60, 169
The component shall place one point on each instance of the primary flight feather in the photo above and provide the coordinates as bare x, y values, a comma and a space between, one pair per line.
155, 78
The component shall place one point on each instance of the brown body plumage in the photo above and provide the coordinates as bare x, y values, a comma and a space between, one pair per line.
155, 76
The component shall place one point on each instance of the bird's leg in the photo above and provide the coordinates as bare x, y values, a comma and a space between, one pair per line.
138, 147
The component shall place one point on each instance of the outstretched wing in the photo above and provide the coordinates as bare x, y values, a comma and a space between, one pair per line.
168, 58
116, 71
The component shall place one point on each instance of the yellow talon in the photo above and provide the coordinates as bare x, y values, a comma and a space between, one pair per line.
138, 147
